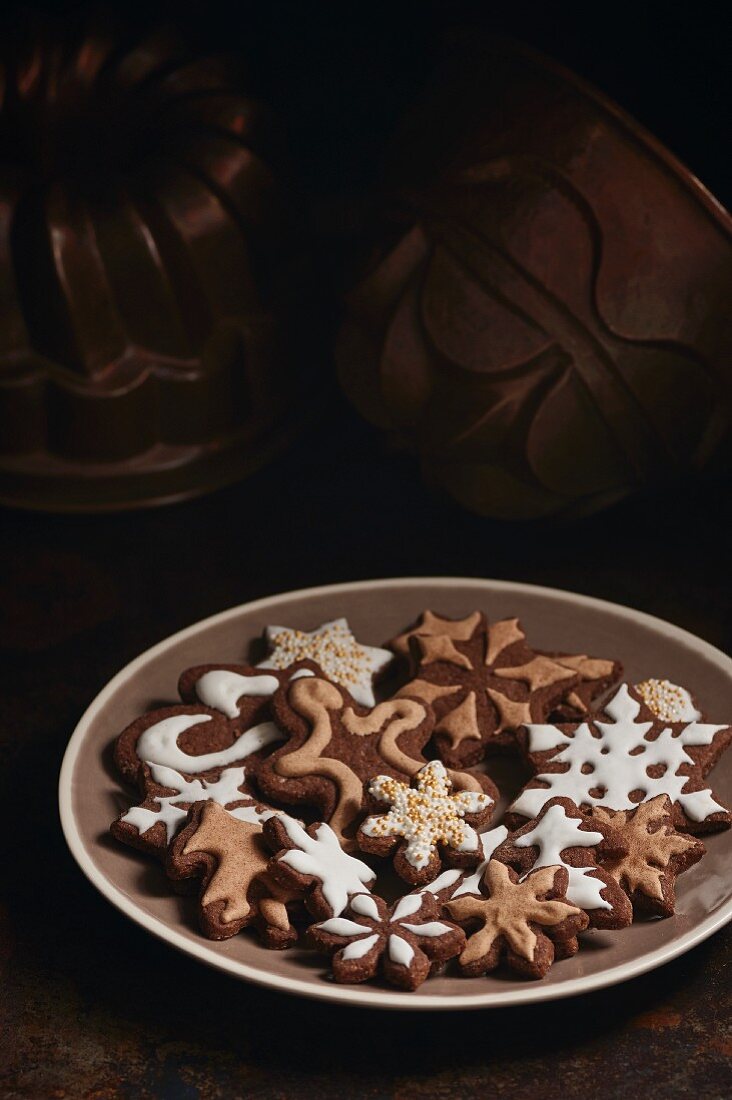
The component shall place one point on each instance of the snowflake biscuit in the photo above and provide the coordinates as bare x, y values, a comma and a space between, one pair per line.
628, 759
424, 821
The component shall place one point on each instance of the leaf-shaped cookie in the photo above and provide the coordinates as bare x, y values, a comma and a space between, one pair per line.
656, 853
237, 890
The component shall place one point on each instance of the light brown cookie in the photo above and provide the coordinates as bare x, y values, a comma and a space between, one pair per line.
527, 923
655, 854
232, 860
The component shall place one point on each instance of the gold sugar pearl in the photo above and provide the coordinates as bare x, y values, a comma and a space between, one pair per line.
666, 700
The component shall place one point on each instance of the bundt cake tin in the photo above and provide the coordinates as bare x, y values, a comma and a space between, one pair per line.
149, 343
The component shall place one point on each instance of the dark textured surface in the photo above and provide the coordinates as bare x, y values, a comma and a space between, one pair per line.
96, 1008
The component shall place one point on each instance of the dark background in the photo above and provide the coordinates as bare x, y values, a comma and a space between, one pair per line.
339, 71
94, 1007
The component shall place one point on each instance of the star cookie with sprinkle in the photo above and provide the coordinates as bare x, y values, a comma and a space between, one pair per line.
407, 941
424, 822
334, 648
655, 854
623, 757
562, 836
483, 682
528, 923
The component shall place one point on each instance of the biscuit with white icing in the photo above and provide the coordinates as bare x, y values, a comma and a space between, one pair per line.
561, 835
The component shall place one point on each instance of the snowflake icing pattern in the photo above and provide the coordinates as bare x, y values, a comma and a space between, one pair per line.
172, 814
616, 763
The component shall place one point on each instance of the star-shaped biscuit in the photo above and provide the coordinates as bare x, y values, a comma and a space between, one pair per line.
431, 625
334, 648
483, 682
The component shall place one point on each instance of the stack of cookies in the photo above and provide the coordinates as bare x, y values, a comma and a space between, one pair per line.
292, 800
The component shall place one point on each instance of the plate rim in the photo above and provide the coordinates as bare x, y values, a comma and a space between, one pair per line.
365, 996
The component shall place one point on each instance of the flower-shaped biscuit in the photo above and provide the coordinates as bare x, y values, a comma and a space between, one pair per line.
424, 820
408, 940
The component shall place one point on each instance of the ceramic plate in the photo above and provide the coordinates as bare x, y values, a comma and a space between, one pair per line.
91, 797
